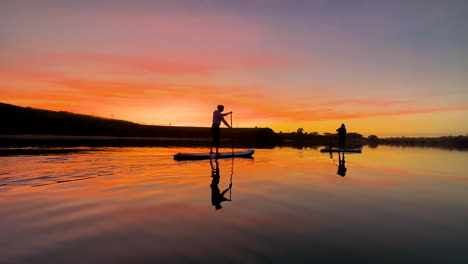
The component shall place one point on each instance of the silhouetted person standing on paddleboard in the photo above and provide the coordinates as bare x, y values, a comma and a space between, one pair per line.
215, 131
217, 197
341, 136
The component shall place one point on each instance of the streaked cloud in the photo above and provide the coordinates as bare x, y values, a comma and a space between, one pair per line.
253, 104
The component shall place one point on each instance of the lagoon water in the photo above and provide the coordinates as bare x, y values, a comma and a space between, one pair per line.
138, 205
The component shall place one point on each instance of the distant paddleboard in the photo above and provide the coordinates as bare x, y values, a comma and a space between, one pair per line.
200, 156
356, 150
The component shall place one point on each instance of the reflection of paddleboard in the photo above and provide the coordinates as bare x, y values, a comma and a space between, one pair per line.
199, 156
356, 150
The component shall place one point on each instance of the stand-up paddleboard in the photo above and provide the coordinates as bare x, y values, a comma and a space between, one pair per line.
356, 150
200, 156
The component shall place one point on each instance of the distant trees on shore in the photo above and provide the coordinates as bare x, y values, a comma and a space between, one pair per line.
452, 142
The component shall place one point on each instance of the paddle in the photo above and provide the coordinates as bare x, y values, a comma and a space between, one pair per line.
232, 165
230, 184
232, 138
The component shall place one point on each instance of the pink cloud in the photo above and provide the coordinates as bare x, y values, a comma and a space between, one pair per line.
363, 102
190, 64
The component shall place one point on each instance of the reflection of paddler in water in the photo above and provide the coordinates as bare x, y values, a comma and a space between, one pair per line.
217, 197
341, 164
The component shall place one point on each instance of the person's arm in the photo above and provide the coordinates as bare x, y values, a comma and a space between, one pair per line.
225, 191
226, 123
227, 114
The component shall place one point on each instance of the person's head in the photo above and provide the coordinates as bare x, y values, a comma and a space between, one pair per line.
218, 206
342, 125
342, 173
220, 108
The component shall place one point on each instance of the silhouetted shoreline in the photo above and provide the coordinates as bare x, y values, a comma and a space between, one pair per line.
30, 127
449, 142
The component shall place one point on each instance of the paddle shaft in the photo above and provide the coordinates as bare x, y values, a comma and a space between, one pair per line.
232, 137
232, 165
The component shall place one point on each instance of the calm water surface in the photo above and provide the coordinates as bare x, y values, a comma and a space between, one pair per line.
138, 205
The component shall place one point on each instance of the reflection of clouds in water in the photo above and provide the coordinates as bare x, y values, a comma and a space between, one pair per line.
162, 210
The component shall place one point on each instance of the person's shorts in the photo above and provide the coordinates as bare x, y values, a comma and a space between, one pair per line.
215, 134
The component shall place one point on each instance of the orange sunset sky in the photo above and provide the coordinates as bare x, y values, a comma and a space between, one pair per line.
390, 68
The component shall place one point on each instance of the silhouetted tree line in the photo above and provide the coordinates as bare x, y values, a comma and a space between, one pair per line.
451, 142
301, 138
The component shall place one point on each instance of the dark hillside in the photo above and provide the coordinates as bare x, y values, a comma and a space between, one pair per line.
17, 120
